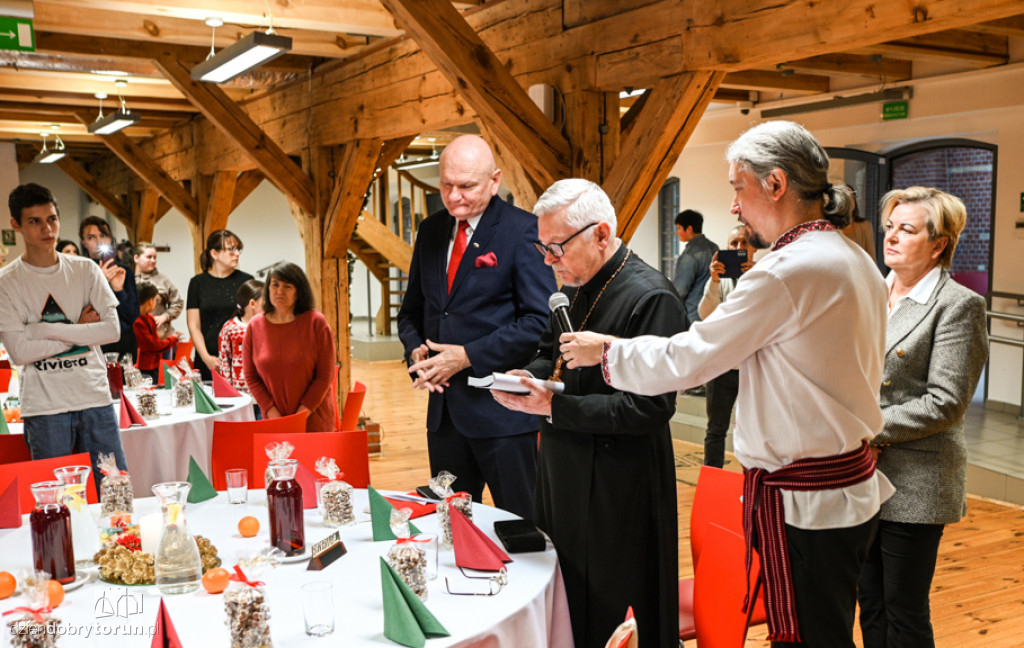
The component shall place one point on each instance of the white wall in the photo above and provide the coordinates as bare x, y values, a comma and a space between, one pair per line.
986, 106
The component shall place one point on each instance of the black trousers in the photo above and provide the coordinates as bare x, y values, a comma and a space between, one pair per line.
895, 584
720, 393
826, 566
508, 465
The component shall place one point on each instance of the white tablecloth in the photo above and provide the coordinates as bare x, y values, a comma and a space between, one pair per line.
529, 612
160, 451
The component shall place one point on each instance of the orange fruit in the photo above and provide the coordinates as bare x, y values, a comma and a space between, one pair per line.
7, 584
248, 526
216, 580
56, 592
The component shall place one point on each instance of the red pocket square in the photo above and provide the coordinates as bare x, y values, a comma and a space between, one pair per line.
486, 261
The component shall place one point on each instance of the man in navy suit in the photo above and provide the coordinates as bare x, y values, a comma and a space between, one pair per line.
476, 303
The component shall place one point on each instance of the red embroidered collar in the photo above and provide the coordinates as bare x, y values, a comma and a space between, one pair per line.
820, 225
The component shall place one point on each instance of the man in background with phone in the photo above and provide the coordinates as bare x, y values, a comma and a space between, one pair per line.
98, 244
721, 391
692, 265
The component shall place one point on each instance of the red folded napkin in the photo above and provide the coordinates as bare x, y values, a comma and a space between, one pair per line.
222, 388
165, 636
10, 509
129, 415
308, 483
625, 635
418, 509
473, 549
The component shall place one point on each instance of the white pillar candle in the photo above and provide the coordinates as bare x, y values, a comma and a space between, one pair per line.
150, 528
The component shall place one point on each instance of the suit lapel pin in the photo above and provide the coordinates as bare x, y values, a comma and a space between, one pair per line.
476, 245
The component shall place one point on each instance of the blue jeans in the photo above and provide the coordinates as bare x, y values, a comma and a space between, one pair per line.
92, 430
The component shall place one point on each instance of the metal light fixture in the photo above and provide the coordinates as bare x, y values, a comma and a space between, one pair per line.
49, 156
115, 121
249, 52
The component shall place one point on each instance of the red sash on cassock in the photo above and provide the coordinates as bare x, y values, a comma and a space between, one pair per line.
763, 510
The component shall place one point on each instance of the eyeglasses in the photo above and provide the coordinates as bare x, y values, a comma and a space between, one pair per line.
494, 583
558, 249
231, 250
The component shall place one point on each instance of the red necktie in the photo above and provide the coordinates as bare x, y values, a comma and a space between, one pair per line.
458, 249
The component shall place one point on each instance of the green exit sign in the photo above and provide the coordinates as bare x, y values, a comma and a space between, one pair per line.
895, 110
17, 34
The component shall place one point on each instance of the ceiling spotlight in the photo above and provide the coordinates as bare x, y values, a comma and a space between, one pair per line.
115, 121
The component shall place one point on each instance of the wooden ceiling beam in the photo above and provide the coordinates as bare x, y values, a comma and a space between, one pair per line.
487, 85
653, 142
86, 100
353, 175
224, 113
1012, 27
146, 168
92, 186
245, 185
776, 80
844, 63
341, 16
958, 45
104, 22
218, 205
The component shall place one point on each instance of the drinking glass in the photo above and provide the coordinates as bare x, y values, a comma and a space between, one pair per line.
238, 485
318, 608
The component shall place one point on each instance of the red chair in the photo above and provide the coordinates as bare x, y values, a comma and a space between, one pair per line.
347, 448
353, 406
30, 472
5, 379
184, 350
721, 586
233, 446
716, 501
13, 449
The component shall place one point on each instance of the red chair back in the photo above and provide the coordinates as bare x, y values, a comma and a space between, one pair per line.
233, 446
5, 379
183, 350
720, 588
716, 500
353, 405
30, 472
347, 448
13, 449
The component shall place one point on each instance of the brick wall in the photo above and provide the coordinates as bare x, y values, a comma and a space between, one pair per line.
967, 174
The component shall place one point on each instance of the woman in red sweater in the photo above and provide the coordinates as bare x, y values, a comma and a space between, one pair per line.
288, 353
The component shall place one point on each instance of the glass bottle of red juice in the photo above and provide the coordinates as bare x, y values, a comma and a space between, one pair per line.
50, 523
284, 500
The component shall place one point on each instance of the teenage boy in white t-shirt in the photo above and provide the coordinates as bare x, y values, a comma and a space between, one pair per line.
55, 311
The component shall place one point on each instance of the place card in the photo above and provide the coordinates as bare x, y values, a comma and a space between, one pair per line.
326, 551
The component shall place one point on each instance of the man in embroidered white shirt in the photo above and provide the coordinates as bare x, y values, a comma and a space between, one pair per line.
807, 328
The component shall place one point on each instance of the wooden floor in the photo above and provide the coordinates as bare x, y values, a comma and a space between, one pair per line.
978, 591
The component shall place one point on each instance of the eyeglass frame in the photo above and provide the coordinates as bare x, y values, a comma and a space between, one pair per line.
230, 249
550, 249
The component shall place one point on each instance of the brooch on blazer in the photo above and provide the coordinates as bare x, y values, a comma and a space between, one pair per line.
486, 261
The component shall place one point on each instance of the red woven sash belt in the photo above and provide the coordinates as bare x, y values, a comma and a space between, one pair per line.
764, 524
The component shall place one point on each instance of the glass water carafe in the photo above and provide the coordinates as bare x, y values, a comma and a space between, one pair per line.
50, 523
179, 570
85, 533
284, 501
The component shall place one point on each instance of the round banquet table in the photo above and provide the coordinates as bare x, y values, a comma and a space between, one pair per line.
159, 451
531, 610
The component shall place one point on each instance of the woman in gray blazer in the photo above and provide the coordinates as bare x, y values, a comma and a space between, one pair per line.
936, 346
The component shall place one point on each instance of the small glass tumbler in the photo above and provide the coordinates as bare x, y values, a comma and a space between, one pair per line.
318, 608
428, 543
238, 485
320, 483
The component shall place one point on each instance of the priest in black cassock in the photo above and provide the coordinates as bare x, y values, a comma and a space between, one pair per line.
606, 490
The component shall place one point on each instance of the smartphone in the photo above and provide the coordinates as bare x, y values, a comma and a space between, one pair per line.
107, 252
427, 492
733, 261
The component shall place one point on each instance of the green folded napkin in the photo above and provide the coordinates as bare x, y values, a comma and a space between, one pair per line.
169, 380
380, 517
204, 404
3, 425
202, 489
407, 620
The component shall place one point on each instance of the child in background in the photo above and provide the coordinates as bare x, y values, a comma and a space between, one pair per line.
247, 304
151, 347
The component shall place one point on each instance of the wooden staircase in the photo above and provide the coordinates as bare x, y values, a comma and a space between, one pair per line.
388, 258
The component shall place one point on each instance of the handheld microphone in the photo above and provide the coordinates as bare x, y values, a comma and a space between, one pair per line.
559, 305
